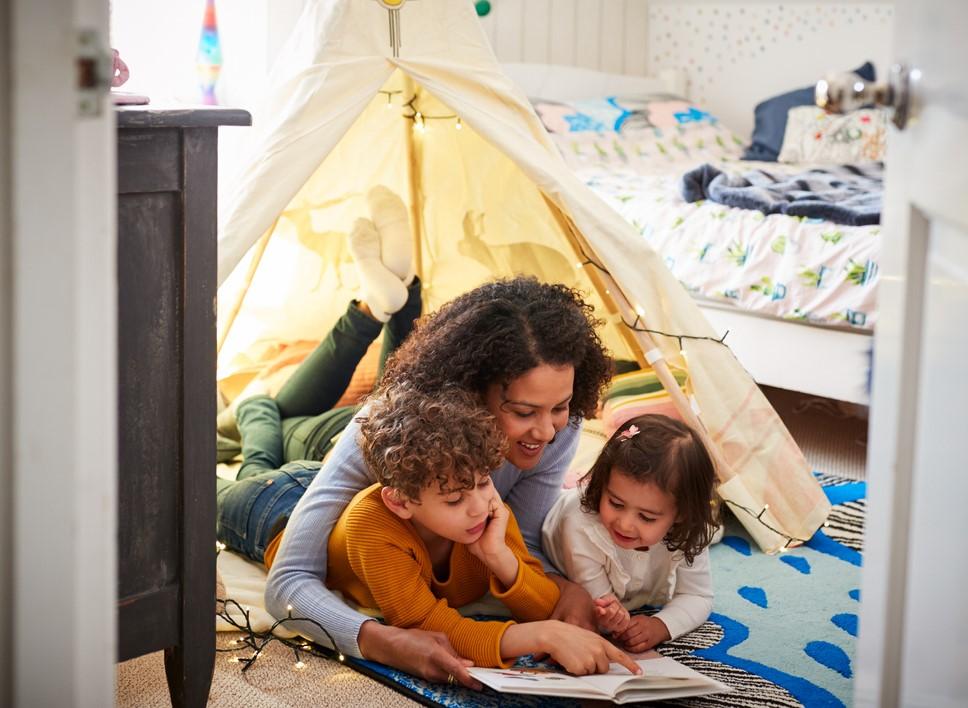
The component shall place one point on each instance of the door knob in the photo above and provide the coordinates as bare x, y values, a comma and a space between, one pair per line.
840, 93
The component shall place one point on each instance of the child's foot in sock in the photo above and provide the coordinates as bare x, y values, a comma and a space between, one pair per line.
389, 214
383, 291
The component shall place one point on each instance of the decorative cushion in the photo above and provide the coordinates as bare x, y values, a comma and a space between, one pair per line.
638, 393
619, 114
771, 118
813, 135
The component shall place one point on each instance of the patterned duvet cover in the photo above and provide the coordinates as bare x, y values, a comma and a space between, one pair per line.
788, 267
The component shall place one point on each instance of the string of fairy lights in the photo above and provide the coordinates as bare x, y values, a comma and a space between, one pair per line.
255, 642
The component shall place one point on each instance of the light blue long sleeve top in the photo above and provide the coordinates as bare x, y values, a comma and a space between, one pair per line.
298, 574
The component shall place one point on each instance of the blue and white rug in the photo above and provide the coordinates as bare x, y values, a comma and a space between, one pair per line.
782, 632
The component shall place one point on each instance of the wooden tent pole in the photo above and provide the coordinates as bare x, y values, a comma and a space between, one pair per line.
416, 195
615, 301
250, 274
613, 311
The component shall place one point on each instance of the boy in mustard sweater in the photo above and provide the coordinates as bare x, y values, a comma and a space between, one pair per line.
433, 535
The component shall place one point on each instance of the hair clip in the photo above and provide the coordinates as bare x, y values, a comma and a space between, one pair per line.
629, 432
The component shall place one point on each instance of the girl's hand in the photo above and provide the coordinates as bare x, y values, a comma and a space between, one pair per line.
578, 650
612, 616
492, 542
643, 633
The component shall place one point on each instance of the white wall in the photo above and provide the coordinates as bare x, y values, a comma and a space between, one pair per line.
159, 42
734, 54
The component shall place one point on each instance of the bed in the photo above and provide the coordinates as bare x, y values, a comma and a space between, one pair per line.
796, 295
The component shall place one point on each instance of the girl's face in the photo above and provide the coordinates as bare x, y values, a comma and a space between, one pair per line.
636, 514
531, 410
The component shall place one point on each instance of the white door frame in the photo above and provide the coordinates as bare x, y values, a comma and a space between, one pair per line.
59, 393
6, 380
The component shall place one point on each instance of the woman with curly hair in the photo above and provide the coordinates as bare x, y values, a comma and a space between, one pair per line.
530, 352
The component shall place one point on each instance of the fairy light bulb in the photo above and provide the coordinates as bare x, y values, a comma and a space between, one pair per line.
639, 311
459, 125
300, 666
341, 657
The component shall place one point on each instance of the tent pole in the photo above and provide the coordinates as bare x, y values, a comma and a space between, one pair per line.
250, 274
416, 197
613, 311
616, 303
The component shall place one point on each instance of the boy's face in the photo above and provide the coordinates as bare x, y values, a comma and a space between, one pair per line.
459, 516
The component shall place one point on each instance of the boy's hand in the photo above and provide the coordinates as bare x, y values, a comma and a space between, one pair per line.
579, 651
492, 548
492, 542
643, 633
611, 616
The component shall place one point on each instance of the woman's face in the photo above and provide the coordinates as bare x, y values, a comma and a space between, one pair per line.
531, 410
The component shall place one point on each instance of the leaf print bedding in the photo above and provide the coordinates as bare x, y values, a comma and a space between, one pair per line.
788, 267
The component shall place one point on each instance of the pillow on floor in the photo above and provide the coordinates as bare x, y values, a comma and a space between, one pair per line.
771, 118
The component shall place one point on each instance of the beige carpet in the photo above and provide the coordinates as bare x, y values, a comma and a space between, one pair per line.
272, 682
833, 437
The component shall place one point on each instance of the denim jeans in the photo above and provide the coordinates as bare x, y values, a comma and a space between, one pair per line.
253, 510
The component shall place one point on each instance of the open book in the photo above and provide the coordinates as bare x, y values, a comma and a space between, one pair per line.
662, 678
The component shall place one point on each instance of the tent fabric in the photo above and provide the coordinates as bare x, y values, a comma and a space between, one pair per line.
489, 197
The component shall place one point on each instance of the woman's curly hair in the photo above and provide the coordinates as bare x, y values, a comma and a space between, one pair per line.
499, 331
411, 439
671, 455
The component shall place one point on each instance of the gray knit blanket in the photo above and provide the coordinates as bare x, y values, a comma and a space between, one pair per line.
845, 194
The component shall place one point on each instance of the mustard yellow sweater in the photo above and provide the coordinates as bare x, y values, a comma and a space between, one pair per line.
378, 560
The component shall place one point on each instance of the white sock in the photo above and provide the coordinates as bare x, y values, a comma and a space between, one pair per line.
383, 291
396, 240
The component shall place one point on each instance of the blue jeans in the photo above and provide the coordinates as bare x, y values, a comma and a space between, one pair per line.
252, 511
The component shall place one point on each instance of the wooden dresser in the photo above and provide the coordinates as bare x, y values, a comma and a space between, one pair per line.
167, 186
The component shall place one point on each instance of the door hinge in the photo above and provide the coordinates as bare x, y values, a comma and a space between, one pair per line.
94, 68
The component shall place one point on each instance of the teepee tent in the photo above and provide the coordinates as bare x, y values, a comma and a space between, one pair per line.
413, 98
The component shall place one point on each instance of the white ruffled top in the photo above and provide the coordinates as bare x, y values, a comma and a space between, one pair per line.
580, 547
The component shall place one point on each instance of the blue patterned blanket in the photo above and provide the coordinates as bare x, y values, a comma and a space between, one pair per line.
782, 632
845, 194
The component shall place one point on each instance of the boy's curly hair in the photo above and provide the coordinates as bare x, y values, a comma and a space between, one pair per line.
411, 439
671, 455
499, 331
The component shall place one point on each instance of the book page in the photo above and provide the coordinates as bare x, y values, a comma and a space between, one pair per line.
657, 672
534, 680
661, 678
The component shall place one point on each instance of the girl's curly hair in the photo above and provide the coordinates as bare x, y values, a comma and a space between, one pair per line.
671, 455
411, 439
499, 331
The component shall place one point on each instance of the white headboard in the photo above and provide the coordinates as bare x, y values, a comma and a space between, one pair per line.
555, 81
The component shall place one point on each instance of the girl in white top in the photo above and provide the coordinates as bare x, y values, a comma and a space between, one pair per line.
636, 530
